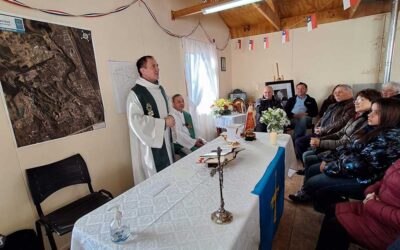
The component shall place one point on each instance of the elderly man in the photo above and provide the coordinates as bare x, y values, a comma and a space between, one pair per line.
300, 109
149, 122
391, 89
266, 101
335, 118
183, 133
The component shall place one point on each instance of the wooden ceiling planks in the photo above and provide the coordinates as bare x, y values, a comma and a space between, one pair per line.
326, 16
273, 15
251, 30
269, 14
245, 15
368, 8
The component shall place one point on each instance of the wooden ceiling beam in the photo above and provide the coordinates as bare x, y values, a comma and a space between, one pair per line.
271, 16
251, 30
272, 5
326, 16
195, 9
353, 9
192, 10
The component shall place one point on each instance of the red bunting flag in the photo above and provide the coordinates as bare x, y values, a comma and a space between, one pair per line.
251, 44
312, 22
266, 42
285, 36
349, 3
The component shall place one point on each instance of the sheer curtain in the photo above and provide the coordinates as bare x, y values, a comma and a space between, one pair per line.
201, 72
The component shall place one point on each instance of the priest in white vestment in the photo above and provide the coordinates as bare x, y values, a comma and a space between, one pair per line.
149, 122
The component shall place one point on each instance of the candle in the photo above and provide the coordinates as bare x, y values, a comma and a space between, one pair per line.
273, 136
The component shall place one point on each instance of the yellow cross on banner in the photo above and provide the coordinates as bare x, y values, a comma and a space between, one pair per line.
274, 198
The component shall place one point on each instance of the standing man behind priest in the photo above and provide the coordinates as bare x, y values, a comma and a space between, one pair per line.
266, 101
149, 122
300, 110
183, 134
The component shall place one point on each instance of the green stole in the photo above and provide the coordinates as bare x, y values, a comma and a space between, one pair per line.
189, 125
149, 105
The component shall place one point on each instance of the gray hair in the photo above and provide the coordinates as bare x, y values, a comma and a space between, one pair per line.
269, 87
392, 85
345, 87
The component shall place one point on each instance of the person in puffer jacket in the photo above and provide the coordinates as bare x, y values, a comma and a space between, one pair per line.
373, 223
362, 104
360, 163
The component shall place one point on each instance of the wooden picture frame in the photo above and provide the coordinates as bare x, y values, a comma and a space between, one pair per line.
283, 90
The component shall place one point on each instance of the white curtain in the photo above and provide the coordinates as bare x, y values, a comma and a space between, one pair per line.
201, 72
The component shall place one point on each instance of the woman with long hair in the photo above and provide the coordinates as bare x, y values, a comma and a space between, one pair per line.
323, 145
361, 162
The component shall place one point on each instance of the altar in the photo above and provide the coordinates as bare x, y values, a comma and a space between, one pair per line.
224, 121
172, 209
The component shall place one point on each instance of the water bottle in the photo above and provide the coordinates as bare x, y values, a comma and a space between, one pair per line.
119, 231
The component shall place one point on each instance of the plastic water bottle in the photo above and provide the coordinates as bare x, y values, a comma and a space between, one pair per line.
119, 231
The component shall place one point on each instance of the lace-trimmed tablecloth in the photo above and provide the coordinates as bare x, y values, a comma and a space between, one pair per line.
172, 209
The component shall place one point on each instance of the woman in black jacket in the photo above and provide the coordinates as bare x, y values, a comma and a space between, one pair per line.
362, 106
349, 169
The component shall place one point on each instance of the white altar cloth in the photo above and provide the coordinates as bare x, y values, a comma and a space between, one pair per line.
224, 121
171, 210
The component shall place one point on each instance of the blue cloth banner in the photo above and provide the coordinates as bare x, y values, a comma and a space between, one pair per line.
271, 189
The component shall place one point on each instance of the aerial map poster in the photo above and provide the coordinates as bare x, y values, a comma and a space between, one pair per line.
49, 80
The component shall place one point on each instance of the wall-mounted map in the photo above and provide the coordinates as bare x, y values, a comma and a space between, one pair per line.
49, 81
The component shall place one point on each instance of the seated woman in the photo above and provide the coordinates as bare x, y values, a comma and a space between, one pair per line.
372, 223
362, 104
351, 168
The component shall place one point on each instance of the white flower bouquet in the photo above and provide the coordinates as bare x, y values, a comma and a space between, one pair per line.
222, 107
275, 119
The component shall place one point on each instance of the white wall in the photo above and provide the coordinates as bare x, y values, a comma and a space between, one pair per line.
342, 52
124, 36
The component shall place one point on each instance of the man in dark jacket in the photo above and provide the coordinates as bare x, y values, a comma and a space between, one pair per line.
301, 109
267, 101
335, 118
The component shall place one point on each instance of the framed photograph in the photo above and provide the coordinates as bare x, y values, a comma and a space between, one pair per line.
283, 90
223, 64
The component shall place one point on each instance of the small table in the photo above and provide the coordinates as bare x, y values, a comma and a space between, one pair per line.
223, 121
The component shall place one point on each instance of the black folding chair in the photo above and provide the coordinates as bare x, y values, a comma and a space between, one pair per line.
45, 180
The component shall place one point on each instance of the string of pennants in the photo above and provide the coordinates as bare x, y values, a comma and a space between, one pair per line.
311, 25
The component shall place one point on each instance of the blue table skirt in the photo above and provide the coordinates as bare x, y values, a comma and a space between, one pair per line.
271, 189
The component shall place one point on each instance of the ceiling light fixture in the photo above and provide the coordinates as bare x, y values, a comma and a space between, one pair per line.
227, 5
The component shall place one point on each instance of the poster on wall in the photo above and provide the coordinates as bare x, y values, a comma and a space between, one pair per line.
123, 77
49, 81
